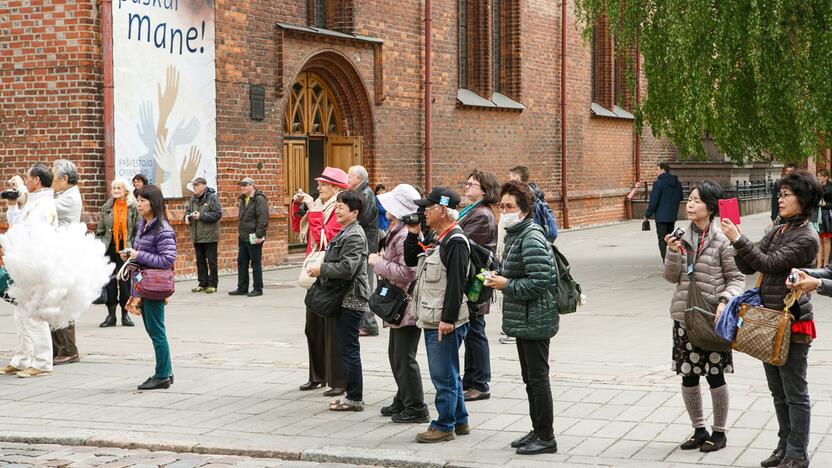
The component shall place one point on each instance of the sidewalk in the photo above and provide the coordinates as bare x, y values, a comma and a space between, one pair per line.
238, 362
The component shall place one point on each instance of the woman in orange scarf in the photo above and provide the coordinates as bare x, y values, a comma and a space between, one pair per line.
116, 229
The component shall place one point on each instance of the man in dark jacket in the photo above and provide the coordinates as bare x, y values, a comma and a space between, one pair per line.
203, 215
664, 204
359, 183
254, 220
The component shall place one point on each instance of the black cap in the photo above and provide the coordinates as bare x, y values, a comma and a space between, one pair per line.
441, 196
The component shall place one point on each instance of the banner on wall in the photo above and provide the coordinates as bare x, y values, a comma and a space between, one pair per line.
165, 92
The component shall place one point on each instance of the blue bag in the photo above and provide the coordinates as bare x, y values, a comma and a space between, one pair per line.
726, 325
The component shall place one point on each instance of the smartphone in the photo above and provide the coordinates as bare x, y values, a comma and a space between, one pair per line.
729, 208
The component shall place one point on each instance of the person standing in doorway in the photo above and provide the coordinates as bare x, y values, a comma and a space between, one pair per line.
203, 216
359, 183
665, 198
254, 220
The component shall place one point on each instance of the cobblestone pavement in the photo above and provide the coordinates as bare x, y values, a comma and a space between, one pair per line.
238, 362
31, 455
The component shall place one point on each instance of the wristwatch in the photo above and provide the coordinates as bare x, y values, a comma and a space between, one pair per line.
819, 289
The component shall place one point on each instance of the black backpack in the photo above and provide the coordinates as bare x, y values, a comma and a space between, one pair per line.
568, 290
479, 258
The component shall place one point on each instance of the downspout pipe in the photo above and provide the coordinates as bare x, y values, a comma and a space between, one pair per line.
109, 117
428, 103
564, 196
638, 101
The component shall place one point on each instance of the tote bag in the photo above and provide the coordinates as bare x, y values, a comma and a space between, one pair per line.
314, 259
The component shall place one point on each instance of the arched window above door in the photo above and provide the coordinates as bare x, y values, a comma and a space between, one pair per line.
312, 109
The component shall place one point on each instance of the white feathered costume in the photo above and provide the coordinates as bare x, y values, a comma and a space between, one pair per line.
57, 272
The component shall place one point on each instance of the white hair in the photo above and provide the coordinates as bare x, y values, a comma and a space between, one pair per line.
66, 168
360, 172
128, 190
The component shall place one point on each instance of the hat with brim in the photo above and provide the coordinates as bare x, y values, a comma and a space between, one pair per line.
247, 181
334, 176
441, 196
400, 201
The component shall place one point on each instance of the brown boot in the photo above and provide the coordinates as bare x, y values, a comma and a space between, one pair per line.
433, 435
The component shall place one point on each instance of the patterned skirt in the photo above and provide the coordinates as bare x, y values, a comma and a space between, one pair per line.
691, 360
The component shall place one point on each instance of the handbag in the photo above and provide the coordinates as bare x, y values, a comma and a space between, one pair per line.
5, 282
389, 302
324, 299
314, 259
699, 321
765, 333
152, 284
826, 220
645, 225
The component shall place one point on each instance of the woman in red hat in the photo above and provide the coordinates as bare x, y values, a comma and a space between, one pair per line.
314, 220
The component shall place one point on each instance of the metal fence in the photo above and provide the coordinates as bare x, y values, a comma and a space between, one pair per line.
741, 190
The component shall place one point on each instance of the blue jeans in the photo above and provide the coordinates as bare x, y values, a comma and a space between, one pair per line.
153, 316
443, 363
346, 337
477, 356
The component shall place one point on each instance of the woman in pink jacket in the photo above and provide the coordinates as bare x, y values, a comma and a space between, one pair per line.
409, 403
314, 220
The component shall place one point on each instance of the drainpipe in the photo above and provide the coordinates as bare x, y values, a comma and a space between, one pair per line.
107, 49
428, 106
564, 198
638, 101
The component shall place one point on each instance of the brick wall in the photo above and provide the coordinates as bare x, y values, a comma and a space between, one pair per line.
50, 86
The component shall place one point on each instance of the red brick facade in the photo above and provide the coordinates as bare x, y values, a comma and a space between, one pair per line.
51, 90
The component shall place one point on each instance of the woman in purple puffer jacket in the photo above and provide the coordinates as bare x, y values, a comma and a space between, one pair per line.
154, 247
409, 403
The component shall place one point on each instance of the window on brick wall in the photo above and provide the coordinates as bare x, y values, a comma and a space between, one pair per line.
489, 53
330, 14
320, 13
611, 67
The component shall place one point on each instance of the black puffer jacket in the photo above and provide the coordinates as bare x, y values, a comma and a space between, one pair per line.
785, 247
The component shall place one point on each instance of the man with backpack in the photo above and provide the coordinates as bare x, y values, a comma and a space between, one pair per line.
543, 215
443, 261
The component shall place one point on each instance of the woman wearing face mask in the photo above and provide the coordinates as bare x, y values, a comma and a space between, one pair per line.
314, 220
707, 252
527, 280
791, 244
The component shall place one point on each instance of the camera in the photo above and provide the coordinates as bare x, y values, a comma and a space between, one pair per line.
9, 194
678, 234
412, 219
794, 277
302, 210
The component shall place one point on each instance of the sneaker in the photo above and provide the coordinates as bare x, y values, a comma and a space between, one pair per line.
9, 370
198, 289
525, 440
32, 372
210, 290
433, 435
505, 339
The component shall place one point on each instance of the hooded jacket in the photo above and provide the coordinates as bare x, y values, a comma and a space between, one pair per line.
665, 198
207, 228
254, 216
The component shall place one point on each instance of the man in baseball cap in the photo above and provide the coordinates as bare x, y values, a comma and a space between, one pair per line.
437, 305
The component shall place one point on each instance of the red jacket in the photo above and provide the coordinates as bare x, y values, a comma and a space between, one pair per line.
316, 221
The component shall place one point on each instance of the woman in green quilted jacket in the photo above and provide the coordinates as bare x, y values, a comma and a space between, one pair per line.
527, 280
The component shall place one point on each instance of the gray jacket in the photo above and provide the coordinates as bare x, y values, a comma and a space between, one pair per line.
207, 228
104, 230
715, 271
346, 259
69, 206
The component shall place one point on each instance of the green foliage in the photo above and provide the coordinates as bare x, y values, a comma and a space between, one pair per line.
754, 74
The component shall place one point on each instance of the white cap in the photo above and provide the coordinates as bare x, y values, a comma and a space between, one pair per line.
400, 201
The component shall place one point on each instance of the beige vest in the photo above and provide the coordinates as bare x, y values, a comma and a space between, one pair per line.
429, 294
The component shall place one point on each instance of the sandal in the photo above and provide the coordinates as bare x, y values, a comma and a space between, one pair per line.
337, 405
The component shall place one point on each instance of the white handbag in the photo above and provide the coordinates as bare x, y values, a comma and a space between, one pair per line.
315, 258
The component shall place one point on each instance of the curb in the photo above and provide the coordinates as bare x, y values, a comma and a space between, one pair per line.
346, 455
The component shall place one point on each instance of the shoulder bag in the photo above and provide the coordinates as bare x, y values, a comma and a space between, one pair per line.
314, 259
324, 299
764, 333
700, 316
389, 302
152, 284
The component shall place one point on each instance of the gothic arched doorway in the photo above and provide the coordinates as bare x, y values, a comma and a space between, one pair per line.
317, 133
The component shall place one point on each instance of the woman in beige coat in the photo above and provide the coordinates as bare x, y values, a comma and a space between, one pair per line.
706, 250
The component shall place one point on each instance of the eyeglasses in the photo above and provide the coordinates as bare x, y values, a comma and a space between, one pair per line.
471, 184
784, 195
431, 207
507, 207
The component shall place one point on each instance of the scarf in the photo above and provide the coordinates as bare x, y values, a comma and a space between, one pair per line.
120, 224
328, 208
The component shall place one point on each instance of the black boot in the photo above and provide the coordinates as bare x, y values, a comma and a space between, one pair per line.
125, 319
110, 321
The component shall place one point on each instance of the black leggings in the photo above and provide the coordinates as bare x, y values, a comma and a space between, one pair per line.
715, 381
